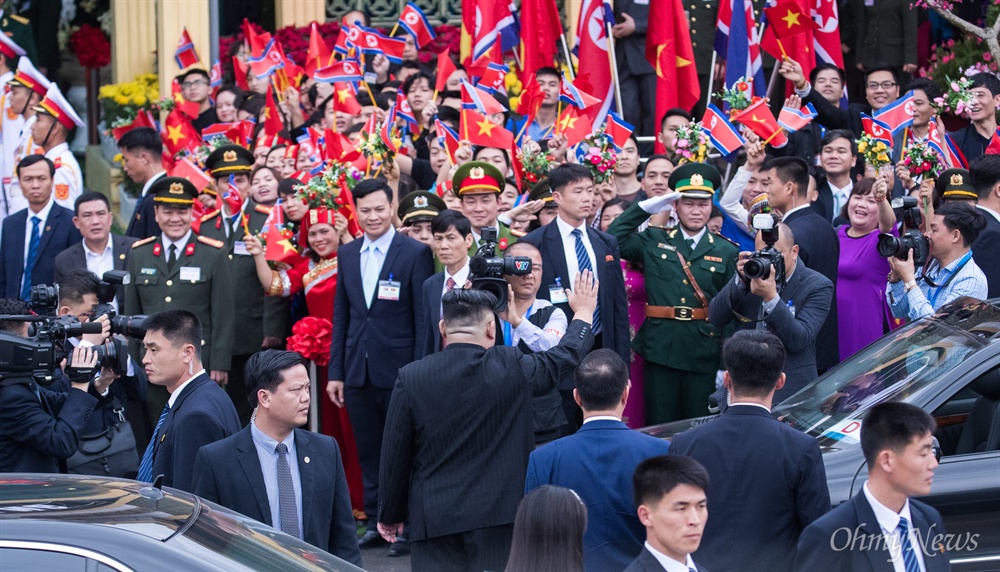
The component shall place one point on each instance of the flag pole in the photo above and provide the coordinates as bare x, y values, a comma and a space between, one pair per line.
773, 81
711, 77
613, 59
566, 54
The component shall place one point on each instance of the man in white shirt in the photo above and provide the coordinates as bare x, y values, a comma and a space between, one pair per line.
55, 119
837, 157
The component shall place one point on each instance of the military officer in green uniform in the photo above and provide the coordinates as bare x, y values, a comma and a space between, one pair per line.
177, 270
685, 267
18, 28
416, 211
478, 185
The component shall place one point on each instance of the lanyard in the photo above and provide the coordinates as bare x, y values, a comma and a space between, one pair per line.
507, 333
964, 260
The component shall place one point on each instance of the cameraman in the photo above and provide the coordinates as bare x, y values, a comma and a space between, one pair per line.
794, 310
40, 427
950, 271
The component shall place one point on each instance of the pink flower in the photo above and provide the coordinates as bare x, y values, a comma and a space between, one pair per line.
954, 86
987, 56
682, 143
594, 150
960, 108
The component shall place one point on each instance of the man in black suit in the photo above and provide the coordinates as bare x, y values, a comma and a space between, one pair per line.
561, 243
459, 434
380, 280
973, 140
794, 310
819, 248
99, 251
636, 77
250, 472
32, 237
198, 412
883, 528
837, 156
452, 241
985, 173
670, 493
758, 513
142, 161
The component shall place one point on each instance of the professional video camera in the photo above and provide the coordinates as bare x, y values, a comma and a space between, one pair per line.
760, 263
131, 326
910, 238
487, 269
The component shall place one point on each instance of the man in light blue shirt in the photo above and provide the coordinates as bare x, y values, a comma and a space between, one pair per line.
951, 272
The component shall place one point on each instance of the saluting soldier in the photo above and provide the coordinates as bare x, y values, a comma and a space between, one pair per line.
177, 270
685, 268
478, 185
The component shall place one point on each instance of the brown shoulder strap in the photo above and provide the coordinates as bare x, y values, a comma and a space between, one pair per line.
694, 283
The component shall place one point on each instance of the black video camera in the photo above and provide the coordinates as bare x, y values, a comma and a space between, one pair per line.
760, 263
131, 326
908, 210
488, 270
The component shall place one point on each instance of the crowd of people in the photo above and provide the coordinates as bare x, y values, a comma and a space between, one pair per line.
358, 236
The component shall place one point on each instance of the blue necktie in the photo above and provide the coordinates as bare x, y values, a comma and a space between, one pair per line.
286, 494
910, 563
146, 466
29, 264
583, 263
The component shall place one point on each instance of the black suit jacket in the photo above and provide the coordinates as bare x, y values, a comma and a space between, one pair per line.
228, 472
646, 562
869, 552
38, 430
459, 432
142, 224
755, 519
74, 257
810, 293
202, 414
631, 50
833, 117
388, 330
819, 249
58, 234
429, 336
611, 295
984, 253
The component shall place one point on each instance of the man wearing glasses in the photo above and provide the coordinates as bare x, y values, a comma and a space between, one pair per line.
195, 88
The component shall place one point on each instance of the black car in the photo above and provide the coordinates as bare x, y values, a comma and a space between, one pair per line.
948, 365
96, 524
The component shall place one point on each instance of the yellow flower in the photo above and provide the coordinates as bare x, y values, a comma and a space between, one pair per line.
139, 99
118, 158
880, 146
121, 100
862, 146
882, 157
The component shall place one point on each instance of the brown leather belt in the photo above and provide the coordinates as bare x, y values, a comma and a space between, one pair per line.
682, 313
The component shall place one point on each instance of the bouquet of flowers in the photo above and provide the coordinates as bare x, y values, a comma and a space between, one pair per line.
956, 99
922, 162
691, 145
122, 102
311, 338
91, 46
597, 154
738, 97
374, 146
876, 153
536, 164
325, 189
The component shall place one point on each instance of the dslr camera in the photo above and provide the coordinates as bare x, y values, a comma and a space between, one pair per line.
487, 270
761, 263
908, 211
131, 326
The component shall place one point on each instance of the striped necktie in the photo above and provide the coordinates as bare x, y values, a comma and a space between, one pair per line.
583, 263
910, 563
29, 263
146, 466
288, 512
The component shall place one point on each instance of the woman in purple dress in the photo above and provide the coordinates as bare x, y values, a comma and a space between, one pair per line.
862, 313
635, 291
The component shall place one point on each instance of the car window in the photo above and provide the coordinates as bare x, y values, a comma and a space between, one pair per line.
38, 560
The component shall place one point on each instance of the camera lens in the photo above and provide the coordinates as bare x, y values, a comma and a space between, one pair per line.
888, 245
757, 268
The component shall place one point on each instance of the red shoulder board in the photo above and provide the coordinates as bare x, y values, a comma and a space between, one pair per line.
211, 241
263, 209
189, 250
58, 162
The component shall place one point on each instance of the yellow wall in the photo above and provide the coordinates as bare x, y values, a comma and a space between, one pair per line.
298, 12
133, 41
172, 16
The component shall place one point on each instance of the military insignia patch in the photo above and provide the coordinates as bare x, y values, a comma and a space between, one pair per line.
62, 192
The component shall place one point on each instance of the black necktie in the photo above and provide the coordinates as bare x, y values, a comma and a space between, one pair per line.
171, 257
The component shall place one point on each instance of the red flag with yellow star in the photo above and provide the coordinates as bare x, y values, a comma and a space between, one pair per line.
279, 248
479, 130
273, 124
789, 31
669, 51
574, 124
788, 19
178, 133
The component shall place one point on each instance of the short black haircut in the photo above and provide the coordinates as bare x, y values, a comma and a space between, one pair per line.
364, 100
327, 101
142, 139
480, 148
567, 174
177, 326
408, 84
410, 64
36, 158
503, 100
657, 157
369, 186
987, 80
601, 379
930, 89
265, 370
252, 103
466, 307
655, 477
288, 186
985, 174
90, 196
964, 218
824, 67
716, 212
892, 425
754, 360
612, 202
793, 169
674, 112
13, 307
449, 115
547, 70
75, 284
449, 219
833, 134
883, 67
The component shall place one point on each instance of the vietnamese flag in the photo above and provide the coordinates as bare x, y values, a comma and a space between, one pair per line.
445, 67
273, 123
787, 19
240, 71
188, 170
479, 130
540, 31
188, 108
279, 248
318, 55
791, 22
759, 119
345, 99
178, 134
669, 51
574, 124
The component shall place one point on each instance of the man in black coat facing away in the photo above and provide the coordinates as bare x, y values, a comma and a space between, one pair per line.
768, 480
986, 180
460, 429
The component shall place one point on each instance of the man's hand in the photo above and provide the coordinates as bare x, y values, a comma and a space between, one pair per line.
909, 68
98, 339
428, 113
903, 174
880, 189
662, 203
340, 225
104, 380
525, 211
220, 377
902, 269
335, 390
792, 71
626, 28
207, 200
558, 144
83, 358
741, 261
583, 297
510, 313
380, 65
755, 151
390, 531
463, 154
766, 288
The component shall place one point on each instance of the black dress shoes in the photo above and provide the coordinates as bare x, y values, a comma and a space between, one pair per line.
399, 548
370, 538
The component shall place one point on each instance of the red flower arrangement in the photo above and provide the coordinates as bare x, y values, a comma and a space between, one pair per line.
92, 46
311, 338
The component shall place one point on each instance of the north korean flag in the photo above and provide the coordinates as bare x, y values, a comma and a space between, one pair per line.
897, 115
955, 156
569, 94
876, 129
618, 130
385, 132
405, 112
269, 61
215, 75
185, 55
479, 99
413, 20
493, 76
723, 134
448, 139
794, 119
347, 71
935, 141
373, 42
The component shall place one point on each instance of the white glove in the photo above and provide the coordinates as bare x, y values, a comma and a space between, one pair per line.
662, 203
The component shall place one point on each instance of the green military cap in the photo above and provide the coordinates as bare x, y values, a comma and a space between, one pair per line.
477, 177
419, 206
541, 191
229, 160
174, 191
955, 184
695, 180
195, 69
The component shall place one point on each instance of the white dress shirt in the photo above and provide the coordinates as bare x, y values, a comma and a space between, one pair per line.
569, 248
798, 208
668, 563
180, 244
149, 183
100, 262
267, 454
888, 520
373, 252
460, 277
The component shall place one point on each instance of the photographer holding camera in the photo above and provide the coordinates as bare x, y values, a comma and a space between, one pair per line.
772, 291
950, 271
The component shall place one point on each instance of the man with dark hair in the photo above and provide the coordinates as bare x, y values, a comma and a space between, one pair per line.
837, 157
276, 472
198, 412
458, 433
479, 185
142, 161
549, 80
925, 91
452, 240
569, 246
819, 248
379, 315
598, 462
985, 173
656, 182
32, 237
195, 87
952, 272
627, 184
99, 251
886, 528
973, 140
829, 80
782, 482
670, 493
673, 119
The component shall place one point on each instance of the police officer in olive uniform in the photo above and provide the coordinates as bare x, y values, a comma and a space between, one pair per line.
480, 178
685, 268
416, 211
177, 270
